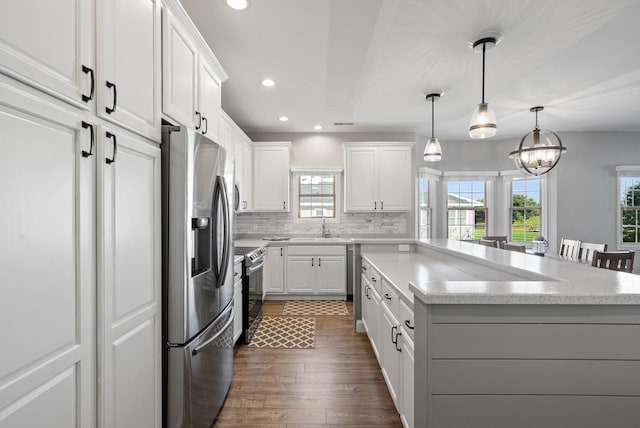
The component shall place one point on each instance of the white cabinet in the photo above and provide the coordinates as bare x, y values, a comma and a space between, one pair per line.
49, 45
377, 177
318, 270
128, 58
237, 301
129, 281
191, 76
407, 371
48, 275
238, 147
390, 352
274, 270
246, 193
271, 165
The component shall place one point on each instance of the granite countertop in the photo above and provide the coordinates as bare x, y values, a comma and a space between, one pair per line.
454, 272
312, 240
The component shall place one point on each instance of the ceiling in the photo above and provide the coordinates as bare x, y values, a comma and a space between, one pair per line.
372, 61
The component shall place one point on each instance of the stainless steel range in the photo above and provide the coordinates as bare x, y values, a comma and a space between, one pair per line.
252, 280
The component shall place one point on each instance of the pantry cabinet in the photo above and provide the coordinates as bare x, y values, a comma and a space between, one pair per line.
316, 270
377, 177
191, 75
129, 280
274, 270
271, 164
128, 56
49, 45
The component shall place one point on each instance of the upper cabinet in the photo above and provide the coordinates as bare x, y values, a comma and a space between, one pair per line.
49, 45
191, 76
271, 163
128, 53
377, 177
239, 147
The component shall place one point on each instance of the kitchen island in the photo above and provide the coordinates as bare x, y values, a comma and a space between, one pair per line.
505, 339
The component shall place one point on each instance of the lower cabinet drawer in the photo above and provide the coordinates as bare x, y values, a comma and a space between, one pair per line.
406, 318
390, 298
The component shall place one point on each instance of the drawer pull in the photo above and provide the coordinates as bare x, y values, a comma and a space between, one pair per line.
393, 335
396, 342
364, 268
408, 324
386, 296
374, 279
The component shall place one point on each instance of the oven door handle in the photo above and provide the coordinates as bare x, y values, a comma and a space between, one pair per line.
255, 268
222, 330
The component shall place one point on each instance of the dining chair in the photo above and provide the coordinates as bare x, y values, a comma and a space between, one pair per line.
514, 247
489, 243
615, 260
499, 239
587, 249
569, 248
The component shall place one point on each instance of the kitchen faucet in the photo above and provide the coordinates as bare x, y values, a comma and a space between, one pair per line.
325, 229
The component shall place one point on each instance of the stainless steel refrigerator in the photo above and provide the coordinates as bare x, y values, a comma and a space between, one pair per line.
197, 277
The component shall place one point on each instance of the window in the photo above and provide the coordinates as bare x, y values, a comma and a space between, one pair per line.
424, 210
526, 209
629, 203
466, 209
316, 196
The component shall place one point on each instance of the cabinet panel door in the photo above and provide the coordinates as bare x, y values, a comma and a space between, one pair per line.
179, 73
129, 57
46, 43
407, 395
390, 355
360, 179
332, 275
209, 99
239, 162
129, 335
365, 300
47, 292
274, 270
395, 179
271, 179
245, 202
301, 274
375, 317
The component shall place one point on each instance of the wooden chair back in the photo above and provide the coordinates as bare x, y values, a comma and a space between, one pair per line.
587, 249
499, 239
569, 248
489, 243
514, 247
615, 260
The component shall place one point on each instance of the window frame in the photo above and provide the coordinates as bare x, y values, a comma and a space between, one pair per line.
525, 208
295, 194
432, 176
625, 172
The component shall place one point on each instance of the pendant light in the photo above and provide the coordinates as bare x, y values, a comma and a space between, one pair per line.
483, 121
432, 151
539, 150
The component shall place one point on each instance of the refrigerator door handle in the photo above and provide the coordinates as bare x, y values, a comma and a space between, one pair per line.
222, 330
226, 249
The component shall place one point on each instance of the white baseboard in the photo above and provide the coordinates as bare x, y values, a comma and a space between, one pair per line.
360, 327
304, 297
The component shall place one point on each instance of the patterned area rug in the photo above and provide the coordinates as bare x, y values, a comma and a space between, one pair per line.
285, 332
315, 307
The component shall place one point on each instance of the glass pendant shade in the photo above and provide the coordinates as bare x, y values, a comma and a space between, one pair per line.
483, 122
539, 151
432, 151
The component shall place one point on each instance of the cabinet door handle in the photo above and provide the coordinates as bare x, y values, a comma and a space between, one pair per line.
381, 205
199, 117
244, 205
88, 98
115, 148
408, 324
373, 278
284, 205
281, 251
112, 86
375, 205
311, 261
86, 125
206, 125
393, 335
364, 268
366, 292
387, 296
319, 261
396, 342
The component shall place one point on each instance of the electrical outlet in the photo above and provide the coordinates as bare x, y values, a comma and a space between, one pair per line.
403, 248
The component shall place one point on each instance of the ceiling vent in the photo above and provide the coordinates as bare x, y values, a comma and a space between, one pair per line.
343, 123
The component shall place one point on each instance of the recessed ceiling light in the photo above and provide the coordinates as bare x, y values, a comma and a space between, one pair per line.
317, 127
268, 83
238, 4
283, 118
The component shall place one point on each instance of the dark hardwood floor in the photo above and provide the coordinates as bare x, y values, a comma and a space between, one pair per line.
337, 384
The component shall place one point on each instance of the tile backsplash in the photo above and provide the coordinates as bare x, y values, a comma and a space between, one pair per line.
368, 224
